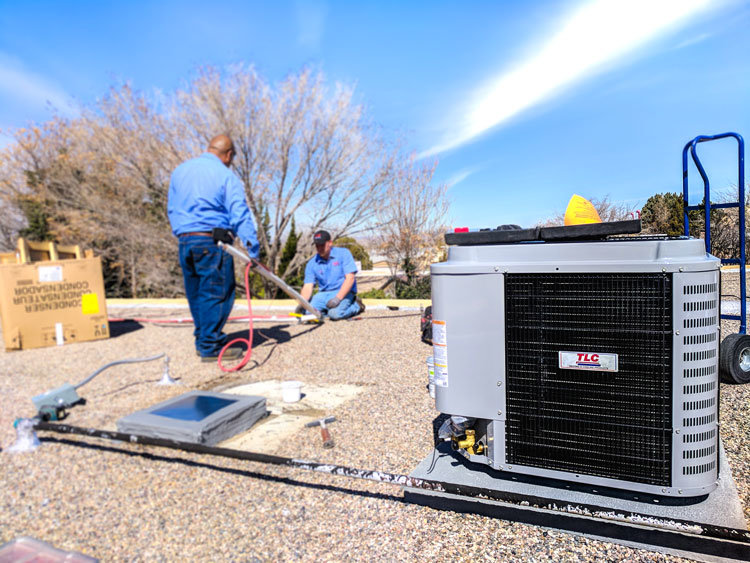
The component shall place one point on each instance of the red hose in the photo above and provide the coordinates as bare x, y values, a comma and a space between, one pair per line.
183, 320
249, 339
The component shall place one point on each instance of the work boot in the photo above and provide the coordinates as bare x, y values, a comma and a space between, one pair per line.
361, 306
229, 354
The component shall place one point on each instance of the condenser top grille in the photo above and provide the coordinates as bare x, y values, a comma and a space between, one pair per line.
603, 423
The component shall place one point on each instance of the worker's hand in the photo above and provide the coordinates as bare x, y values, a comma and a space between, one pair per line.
333, 302
249, 249
257, 264
300, 310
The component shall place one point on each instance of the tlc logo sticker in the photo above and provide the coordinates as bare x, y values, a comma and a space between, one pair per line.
594, 361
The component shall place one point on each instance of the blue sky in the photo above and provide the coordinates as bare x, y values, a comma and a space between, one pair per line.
523, 103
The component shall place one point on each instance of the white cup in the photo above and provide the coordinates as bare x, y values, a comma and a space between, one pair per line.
291, 391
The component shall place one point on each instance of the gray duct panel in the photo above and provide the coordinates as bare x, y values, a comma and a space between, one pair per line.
472, 309
201, 417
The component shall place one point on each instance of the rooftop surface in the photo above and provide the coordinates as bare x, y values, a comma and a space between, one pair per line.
118, 501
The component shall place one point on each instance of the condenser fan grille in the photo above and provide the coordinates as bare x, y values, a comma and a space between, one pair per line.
608, 424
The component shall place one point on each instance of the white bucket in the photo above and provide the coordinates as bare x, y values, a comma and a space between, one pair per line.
431, 376
291, 391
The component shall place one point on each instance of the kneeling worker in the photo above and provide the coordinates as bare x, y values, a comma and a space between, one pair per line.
333, 269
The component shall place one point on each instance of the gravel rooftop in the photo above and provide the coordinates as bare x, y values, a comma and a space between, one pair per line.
117, 501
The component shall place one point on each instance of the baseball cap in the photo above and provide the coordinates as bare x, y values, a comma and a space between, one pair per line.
321, 236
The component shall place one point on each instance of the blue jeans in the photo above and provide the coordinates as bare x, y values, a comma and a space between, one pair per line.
347, 308
208, 273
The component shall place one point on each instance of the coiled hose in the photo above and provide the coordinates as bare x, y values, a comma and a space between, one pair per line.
249, 339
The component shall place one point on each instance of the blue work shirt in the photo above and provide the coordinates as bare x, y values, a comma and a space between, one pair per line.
329, 274
203, 194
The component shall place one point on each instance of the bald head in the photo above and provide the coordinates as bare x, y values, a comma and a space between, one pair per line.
222, 146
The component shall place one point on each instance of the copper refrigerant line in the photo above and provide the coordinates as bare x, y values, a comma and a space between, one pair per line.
730, 540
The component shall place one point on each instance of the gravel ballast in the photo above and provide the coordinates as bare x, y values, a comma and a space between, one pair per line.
118, 501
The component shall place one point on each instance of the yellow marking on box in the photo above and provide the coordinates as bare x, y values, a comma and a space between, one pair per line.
89, 304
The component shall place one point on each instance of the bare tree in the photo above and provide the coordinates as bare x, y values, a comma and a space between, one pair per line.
413, 219
13, 218
607, 210
304, 150
100, 183
725, 225
135, 143
11, 224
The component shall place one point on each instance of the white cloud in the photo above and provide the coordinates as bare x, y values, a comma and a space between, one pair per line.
311, 19
693, 40
460, 176
28, 89
598, 33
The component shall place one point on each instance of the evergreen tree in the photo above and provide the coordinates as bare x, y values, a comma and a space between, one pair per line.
258, 284
663, 214
293, 277
358, 251
289, 250
36, 218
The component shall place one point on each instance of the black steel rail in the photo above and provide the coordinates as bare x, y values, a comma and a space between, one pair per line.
731, 542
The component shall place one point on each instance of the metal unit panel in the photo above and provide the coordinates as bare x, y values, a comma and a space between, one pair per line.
662, 382
696, 382
496, 443
626, 255
472, 309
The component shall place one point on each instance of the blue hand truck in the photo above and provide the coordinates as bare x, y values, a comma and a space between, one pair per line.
734, 351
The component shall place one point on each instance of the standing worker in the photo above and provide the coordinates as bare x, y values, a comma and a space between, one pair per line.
333, 269
206, 203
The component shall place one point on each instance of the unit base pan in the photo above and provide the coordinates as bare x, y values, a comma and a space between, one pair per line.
722, 508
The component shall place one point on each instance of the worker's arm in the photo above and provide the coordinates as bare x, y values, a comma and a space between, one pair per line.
306, 291
350, 270
346, 287
240, 218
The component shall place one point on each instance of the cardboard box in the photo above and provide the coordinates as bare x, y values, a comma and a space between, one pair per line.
52, 303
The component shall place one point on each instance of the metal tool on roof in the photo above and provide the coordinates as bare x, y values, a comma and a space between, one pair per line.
324, 432
270, 276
